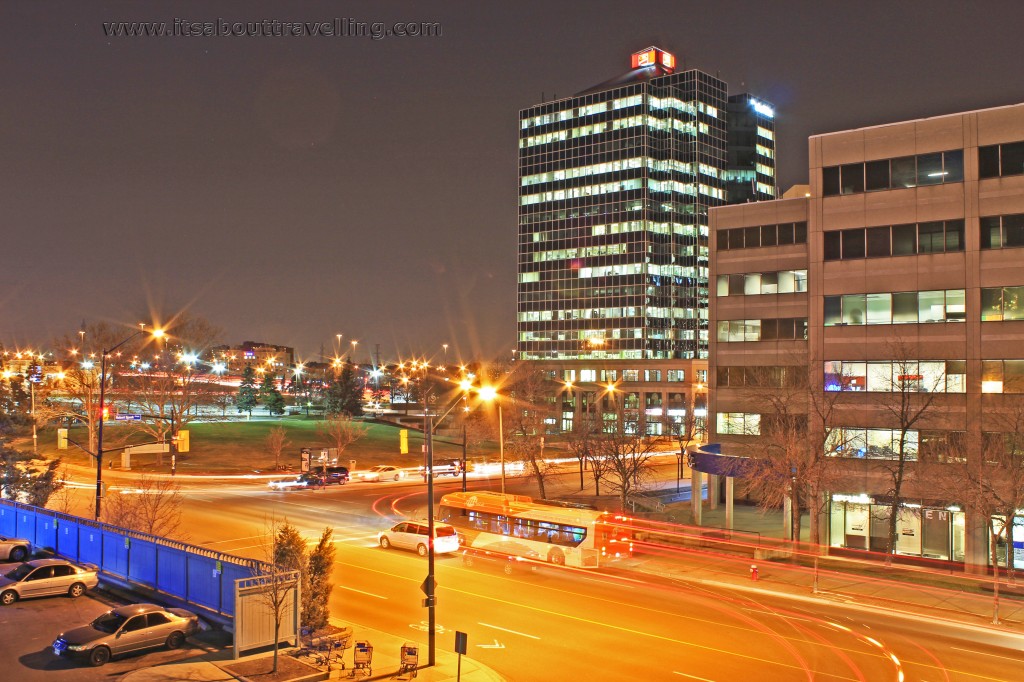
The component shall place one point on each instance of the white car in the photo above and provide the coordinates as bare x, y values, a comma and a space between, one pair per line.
382, 472
414, 535
14, 549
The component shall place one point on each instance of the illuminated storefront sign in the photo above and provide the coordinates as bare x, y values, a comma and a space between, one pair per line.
653, 56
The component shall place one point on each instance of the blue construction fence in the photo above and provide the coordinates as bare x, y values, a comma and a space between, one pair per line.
193, 575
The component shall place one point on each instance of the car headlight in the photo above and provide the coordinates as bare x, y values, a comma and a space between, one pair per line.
77, 647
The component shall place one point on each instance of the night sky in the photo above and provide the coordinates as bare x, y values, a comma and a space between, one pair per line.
293, 188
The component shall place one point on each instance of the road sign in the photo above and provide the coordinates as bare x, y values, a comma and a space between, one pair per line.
461, 639
122, 417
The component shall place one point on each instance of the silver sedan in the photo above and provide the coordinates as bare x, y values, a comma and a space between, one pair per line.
46, 577
126, 629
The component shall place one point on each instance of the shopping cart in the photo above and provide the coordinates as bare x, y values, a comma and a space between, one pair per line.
410, 661
362, 657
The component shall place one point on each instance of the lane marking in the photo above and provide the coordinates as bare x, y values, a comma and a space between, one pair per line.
984, 653
368, 594
692, 677
514, 632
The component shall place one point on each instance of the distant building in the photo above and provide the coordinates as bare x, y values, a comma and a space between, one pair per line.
615, 184
257, 355
897, 276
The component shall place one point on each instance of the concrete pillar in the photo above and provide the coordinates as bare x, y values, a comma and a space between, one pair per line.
729, 517
787, 518
713, 487
695, 495
976, 543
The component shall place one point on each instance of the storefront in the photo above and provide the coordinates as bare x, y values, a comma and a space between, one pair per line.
923, 529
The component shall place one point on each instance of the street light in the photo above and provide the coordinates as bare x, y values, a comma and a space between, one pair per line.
489, 393
157, 333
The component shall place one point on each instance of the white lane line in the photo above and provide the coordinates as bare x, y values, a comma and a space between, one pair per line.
692, 677
514, 632
368, 594
983, 653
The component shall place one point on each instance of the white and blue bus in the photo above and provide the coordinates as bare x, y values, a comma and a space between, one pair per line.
515, 525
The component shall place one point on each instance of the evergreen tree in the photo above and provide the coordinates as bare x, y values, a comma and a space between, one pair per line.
270, 396
247, 396
19, 480
316, 593
351, 391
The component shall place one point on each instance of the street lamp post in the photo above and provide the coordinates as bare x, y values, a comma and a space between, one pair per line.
103, 392
489, 393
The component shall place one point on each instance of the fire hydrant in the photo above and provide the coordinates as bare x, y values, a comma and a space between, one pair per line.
753, 572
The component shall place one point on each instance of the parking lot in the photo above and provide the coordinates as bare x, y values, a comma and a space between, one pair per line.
30, 626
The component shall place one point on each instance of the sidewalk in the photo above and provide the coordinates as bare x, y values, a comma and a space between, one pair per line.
385, 664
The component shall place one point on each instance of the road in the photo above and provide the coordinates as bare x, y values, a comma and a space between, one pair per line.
567, 624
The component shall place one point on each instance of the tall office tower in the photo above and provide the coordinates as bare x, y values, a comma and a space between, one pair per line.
750, 158
615, 186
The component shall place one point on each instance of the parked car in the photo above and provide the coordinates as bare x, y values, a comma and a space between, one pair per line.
414, 535
14, 549
335, 474
303, 481
382, 472
47, 577
125, 629
452, 467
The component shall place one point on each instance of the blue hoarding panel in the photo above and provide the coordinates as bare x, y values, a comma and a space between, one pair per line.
90, 545
7, 522
232, 572
171, 570
203, 581
115, 554
67, 539
46, 531
142, 562
25, 525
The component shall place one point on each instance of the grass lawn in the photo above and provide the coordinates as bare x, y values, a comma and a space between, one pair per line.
240, 447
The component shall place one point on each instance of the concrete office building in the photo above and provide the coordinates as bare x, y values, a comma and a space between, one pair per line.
615, 184
895, 275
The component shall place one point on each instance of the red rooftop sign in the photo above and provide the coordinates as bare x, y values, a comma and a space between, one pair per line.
653, 56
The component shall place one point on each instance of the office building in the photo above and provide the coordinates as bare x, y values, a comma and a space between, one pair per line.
889, 289
615, 184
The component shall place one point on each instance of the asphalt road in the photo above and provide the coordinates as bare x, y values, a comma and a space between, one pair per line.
565, 624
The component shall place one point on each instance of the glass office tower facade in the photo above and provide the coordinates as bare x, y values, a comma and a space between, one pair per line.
615, 187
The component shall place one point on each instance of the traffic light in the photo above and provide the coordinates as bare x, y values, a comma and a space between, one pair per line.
403, 441
62, 439
182, 441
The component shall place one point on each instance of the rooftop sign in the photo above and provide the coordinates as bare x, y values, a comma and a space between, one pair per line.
653, 56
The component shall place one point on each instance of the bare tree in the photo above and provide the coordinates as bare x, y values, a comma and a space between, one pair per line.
153, 505
582, 442
341, 431
283, 573
795, 453
75, 397
276, 442
908, 399
523, 420
173, 390
623, 462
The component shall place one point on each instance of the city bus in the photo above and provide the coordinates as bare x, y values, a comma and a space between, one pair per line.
517, 526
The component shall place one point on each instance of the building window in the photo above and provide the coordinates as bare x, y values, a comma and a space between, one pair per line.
887, 376
782, 234
770, 329
676, 375
1000, 232
941, 236
758, 283
905, 307
908, 171
1002, 376
1002, 303
1001, 159
738, 423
